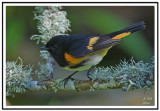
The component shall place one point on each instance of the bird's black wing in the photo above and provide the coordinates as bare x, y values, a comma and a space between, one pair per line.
81, 45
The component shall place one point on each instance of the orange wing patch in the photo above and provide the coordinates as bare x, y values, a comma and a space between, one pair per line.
72, 60
121, 35
92, 41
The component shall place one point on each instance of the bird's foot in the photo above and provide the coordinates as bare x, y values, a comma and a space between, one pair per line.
69, 77
66, 80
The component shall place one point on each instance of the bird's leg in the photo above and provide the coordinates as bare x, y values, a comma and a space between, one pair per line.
89, 72
69, 77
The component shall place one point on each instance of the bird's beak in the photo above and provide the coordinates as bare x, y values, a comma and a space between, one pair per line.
44, 48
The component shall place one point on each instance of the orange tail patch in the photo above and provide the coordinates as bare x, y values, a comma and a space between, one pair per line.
121, 35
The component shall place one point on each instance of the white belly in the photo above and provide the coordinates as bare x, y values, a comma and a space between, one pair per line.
93, 60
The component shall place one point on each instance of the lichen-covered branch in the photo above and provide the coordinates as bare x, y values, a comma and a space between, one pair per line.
17, 77
78, 85
127, 75
74, 85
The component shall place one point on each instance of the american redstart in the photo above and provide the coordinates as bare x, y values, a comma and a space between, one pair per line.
81, 52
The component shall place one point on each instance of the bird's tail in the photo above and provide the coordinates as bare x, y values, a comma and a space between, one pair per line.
128, 30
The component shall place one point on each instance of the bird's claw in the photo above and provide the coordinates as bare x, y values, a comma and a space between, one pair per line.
66, 80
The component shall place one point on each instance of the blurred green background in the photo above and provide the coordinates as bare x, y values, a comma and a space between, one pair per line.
20, 26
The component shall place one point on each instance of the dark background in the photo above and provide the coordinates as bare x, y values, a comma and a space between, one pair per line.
20, 26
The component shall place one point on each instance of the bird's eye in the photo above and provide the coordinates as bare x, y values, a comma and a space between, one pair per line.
55, 46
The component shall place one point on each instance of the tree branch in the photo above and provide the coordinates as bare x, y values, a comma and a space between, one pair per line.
79, 85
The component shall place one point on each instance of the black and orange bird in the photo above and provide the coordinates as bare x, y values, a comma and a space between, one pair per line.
81, 52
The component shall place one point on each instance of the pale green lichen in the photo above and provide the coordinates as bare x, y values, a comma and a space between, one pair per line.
52, 21
133, 75
44, 54
43, 71
17, 77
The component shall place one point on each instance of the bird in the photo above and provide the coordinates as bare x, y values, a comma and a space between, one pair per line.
83, 51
